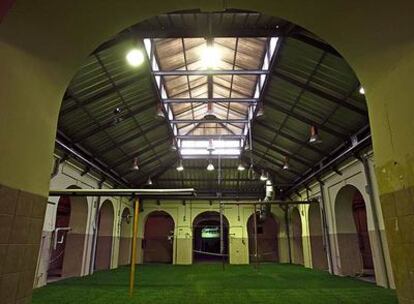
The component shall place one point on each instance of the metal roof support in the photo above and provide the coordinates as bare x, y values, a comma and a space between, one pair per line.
307, 87
209, 72
101, 170
327, 165
191, 121
208, 100
303, 119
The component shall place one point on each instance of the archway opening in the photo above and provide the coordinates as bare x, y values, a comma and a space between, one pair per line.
317, 240
158, 243
68, 241
207, 245
105, 236
267, 238
297, 244
125, 238
355, 255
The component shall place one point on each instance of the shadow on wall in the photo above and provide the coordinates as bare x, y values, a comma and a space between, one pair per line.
125, 238
318, 246
105, 236
297, 245
355, 257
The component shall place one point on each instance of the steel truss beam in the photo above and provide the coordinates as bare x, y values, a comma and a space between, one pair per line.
320, 93
208, 100
209, 72
191, 121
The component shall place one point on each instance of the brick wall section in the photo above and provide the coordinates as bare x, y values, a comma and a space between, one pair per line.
21, 221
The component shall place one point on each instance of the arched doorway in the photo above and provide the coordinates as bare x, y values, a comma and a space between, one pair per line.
267, 238
105, 235
297, 245
125, 238
158, 240
206, 237
318, 246
66, 257
352, 233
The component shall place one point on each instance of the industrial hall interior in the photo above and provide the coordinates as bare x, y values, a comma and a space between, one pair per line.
220, 151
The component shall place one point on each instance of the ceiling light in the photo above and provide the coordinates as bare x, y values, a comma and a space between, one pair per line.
251, 173
180, 166
135, 166
240, 167
135, 57
286, 164
210, 57
210, 166
314, 136
173, 145
160, 112
149, 181
260, 111
361, 91
210, 147
263, 176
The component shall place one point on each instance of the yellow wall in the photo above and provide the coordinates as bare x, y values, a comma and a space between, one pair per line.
42, 43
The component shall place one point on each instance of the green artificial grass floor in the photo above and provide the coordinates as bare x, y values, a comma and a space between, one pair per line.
208, 283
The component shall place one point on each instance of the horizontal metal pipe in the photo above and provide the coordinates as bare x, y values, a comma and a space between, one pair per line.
209, 72
185, 192
348, 152
190, 121
89, 163
210, 100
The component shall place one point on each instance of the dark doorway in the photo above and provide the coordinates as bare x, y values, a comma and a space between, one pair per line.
360, 218
267, 239
206, 238
158, 240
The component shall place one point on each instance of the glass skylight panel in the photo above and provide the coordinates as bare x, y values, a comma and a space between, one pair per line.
184, 56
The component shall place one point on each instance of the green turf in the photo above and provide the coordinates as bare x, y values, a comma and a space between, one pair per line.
208, 283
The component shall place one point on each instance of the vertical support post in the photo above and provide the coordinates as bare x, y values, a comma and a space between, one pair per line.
326, 230
134, 248
286, 209
256, 250
221, 235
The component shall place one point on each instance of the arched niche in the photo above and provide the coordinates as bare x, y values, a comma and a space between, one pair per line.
103, 255
267, 238
68, 257
355, 256
317, 240
125, 238
206, 237
297, 242
158, 242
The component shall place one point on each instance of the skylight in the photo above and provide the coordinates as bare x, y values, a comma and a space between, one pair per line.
210, 89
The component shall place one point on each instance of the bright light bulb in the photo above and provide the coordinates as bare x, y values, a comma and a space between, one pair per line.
210, 57
241, 167
210, 167
135, 57
361, 91
263, 177
180, 166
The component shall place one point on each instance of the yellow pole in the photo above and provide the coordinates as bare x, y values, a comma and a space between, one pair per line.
134, 248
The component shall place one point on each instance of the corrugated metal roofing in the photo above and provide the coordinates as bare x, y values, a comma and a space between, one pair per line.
308, 85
